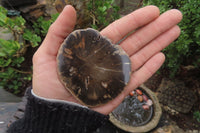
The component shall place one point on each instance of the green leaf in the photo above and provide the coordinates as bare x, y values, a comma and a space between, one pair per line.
45, 26
3, 18
5, 62
3, 10
8, 47
103, 9
54, 17
17, 61
33, 38
196, 115
19, 21
27, 34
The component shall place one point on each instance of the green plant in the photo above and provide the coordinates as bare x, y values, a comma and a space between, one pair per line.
186, 49
102, 12
12, 51
42, 25
196, 115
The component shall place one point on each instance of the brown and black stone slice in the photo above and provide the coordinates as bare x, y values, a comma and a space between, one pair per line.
93, 69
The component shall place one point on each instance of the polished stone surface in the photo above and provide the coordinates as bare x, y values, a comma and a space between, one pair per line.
92, 68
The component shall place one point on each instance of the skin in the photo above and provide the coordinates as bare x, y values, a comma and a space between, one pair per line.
154, 33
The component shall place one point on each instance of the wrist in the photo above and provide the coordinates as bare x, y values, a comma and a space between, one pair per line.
56, 100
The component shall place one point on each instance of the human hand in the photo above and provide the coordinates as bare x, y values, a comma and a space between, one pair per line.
143, 47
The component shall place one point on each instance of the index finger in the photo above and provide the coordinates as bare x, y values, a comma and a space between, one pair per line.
134, 20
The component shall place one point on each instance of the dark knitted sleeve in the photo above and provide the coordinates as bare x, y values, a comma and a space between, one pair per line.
42, 116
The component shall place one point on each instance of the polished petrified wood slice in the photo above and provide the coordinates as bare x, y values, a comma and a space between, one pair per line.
93, 69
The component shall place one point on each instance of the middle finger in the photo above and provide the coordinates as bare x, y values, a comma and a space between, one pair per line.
143, 36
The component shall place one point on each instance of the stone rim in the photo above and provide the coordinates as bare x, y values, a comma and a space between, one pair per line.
150, 125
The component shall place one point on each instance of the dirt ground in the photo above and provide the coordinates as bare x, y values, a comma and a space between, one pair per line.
191, 79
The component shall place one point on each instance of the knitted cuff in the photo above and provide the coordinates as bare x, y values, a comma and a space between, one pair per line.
43, 116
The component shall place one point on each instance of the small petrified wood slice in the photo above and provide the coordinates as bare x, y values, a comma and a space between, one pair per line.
93, 69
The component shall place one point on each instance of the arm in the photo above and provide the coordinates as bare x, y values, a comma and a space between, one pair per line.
44, 115
143, 46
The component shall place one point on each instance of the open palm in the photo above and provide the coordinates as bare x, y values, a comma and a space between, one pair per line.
154, 33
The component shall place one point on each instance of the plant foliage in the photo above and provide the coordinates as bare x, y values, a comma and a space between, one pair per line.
103, 12
196, 115
186, 49
42, 25
12, 51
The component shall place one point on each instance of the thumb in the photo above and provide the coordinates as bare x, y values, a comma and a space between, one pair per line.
57, 32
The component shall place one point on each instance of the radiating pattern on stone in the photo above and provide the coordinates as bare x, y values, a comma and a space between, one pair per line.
93, 69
